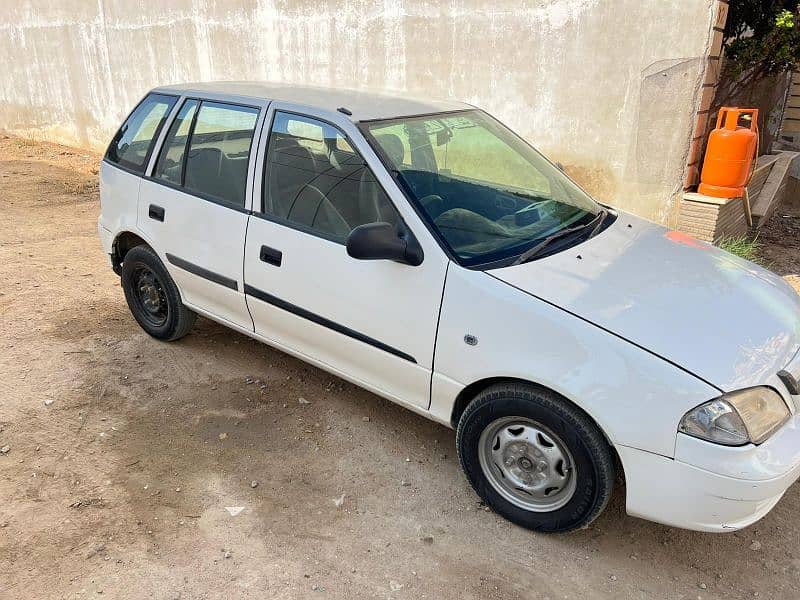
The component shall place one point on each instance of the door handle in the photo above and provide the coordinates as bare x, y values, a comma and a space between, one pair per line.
156, 212
270, 255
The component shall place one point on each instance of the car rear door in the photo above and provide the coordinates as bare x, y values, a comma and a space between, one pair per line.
373, 322
194, 205
126, 161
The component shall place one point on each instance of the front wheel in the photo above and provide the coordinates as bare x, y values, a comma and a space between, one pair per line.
536, 459
153, 297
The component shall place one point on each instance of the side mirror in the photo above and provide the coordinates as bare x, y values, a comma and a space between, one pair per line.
560, 167
383, 241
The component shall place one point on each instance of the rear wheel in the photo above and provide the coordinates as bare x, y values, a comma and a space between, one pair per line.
153, 297
536, 459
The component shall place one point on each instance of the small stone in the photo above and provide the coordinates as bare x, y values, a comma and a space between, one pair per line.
177, 489
303, 401
254, 484
702, 586
365, 419
427, 539
613, 578
223, 436
227, 554
5, 449
317, 588
248, 380
48, 402
405, 483
755, 546
408, 460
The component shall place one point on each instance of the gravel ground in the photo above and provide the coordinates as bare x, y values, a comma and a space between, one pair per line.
137, 469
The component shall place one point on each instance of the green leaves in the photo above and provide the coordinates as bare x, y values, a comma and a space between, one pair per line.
762, 37
784, 20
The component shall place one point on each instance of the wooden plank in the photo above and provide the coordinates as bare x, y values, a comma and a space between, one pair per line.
791, 126
791, 112
774, 189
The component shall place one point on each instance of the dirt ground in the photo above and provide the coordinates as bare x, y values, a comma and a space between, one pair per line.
138, 469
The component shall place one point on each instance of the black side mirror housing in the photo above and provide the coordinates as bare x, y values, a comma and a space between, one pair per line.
383, 241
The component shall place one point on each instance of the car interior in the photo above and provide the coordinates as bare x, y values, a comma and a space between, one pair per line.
474, 217
217, 164
321, 186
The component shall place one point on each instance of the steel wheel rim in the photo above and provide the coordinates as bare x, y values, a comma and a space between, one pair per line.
527, 464
149, 295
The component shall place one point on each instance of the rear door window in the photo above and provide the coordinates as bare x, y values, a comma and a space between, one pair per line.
170, 165
216, 161
207, 150
133, 143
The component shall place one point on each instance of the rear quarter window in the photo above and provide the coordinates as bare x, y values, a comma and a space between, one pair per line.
133, 143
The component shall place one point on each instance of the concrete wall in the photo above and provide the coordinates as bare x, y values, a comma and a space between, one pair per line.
607, 87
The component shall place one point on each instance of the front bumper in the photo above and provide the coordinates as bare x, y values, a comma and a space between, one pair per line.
708, 487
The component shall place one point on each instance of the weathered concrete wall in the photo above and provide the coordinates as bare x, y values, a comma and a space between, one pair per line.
607, 87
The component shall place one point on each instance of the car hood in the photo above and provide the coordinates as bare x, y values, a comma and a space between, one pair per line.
725, 319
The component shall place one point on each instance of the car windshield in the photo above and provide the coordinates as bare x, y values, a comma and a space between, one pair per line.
490, 195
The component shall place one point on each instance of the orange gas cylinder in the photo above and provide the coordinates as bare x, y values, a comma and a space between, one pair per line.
729, 154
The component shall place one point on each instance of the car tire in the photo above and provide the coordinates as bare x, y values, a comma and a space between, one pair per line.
535, 458
153, 297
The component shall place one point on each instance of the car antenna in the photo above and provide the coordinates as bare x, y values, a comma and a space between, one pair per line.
345, 111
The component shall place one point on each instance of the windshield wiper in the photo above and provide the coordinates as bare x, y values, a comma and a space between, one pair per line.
531, 252
601, 216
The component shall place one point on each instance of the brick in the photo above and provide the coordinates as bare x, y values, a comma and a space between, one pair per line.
692, 177
722, 15
700, 126
716, 44
706, 98
694, 151
712, 72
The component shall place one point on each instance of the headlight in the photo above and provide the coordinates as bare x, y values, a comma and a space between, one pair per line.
737, 418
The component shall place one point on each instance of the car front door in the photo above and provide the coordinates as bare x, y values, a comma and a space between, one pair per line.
371, 321
194, 205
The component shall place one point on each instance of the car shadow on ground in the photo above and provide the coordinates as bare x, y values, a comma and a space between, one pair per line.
327, 458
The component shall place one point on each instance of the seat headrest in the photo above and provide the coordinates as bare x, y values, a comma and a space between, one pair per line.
393, 147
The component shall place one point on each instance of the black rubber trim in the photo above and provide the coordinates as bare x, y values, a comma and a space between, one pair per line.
201, 272
790, 382
156, 212
271, 256
315, 318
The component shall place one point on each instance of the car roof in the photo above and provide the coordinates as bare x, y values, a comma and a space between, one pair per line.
364, 106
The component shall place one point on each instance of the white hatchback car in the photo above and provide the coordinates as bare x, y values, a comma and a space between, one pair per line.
422, 250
